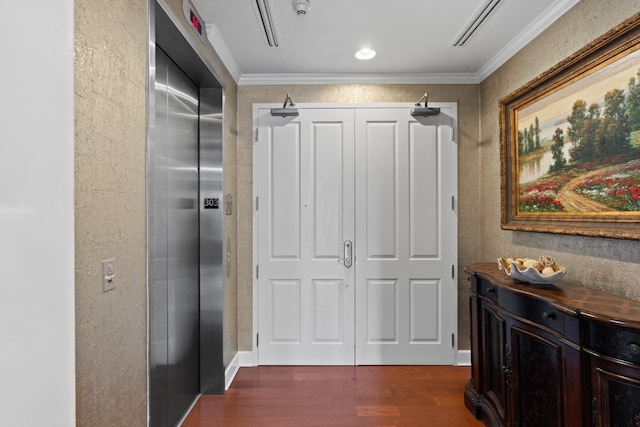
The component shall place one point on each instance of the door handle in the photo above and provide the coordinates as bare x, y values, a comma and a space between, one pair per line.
347, 253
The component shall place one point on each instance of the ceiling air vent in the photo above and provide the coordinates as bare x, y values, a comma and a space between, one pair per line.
267, 22
472, 26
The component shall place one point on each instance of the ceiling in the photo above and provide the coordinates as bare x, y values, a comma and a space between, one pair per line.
414, 39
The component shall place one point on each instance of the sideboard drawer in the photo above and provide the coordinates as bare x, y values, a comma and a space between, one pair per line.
619, 343
488, 290
538, 311
532, 309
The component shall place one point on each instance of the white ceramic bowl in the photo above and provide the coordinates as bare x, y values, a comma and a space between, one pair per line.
532, 275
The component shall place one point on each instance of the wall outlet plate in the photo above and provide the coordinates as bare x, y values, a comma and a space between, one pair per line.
108, 274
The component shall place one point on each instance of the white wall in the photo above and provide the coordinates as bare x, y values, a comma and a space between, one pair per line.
37, 370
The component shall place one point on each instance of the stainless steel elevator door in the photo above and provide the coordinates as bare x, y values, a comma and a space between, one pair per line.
174, 357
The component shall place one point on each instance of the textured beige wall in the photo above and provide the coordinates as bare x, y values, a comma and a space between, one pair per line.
110, 138
606, 264
110, 208
468, 221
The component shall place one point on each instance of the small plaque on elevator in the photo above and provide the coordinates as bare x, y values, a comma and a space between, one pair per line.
212, 203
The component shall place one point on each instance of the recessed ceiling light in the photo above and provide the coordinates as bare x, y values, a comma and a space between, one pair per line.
365, 53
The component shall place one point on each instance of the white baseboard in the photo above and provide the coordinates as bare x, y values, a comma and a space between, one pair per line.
231, 371
248, 358
241, 359
463, 358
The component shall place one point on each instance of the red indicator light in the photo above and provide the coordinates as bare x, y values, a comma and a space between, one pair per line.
195, 22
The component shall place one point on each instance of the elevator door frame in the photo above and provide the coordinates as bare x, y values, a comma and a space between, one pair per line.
166, 32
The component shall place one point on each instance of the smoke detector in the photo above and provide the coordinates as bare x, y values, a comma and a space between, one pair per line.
301, 6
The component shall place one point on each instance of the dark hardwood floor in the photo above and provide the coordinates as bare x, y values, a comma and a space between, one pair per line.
339, 396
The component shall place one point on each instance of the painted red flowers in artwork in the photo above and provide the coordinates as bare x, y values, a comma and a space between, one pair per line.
540, 196
617, 187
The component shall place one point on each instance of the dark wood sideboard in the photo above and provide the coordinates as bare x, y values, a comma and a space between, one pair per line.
551, 355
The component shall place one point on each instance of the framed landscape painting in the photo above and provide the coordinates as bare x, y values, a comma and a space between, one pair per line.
570, 143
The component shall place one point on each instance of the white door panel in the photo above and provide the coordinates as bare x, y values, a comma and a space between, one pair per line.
404, 250
306, 213
423, 191
284, 197
381, 179
378, 191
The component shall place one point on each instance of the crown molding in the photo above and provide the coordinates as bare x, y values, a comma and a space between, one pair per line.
526, 36
400, 78
223, 51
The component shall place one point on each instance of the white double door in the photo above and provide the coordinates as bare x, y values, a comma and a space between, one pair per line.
357, 237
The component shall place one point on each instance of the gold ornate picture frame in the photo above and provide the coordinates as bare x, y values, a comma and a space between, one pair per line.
570, 143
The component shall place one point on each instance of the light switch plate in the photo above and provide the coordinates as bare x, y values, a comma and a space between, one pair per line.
108, 274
